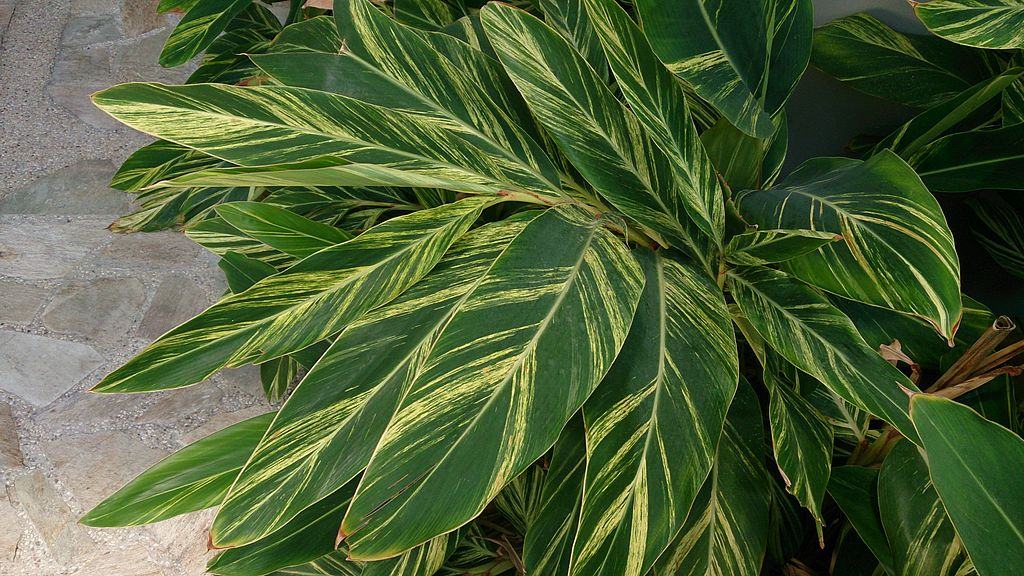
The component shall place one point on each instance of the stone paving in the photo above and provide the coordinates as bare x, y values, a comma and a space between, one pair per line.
76, 301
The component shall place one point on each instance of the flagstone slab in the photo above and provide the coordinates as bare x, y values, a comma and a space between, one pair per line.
100, 309
43, 248
78, 189
39, 370
51, 517
19, 302
177, 299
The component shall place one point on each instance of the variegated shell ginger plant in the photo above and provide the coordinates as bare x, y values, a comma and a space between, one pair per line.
554, 307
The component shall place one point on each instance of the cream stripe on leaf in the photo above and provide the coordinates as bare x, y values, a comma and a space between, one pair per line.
193, 478
772, 246
423, 560
654, 422
921, 538
548, 546
515, 362
975, 466
603, 139
260, 126
281, 229
302, 305
328, 428
802, 439
980, 23
868, 55
817, 338
204, 21
742, 57
390, 65
573, 22
897, 250
658, 101
725, 533
426, 14
308, 536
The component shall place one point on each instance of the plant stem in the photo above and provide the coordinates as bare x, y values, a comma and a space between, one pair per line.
975, 355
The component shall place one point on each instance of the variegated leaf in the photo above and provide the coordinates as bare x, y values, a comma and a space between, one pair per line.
598, 134
937, 120
978, 160
865, 53
975, 467
390, 65
158, 161
772, 246
203, 22
802, 441
308, 536
897, 249
281, 229
260, 126
855, 490
547, 550
979, 23
423, 560
242, 271
921, 537
743, 57
725, 533
195, 477
302, 305
654, 423
326, 432
520, 356
333, 564
573, 22
276, 376
1013, 96
658, 102
426, 14
814, 336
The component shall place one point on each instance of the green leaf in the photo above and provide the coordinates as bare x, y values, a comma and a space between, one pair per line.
772, 246
426, 14
555, 307
158, 161
570, 19
333, 564
260, 126
919, 71
897, 251
193, 478
726, 529
306, 537
936, 121
978, 23
598, 134
276, 376
855, 490
743, 57
1001, 229
920, 536
975, 467
917, 338
802, 441
549, 537
1013, 97
242, 271
976, 160
202, 24
814, 336
281, 229
423, 560
328, 428
654, 422
736, 156
658, 102
302, 305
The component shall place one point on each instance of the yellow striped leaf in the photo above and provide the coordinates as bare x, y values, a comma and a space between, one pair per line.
660, 106
725, 533
281, 229
980, 23
327, 429
302, 305
772, 246
520, 356
573, 22
603, 139
200, 26
817, 338
742, 57
654, 423
897, 250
